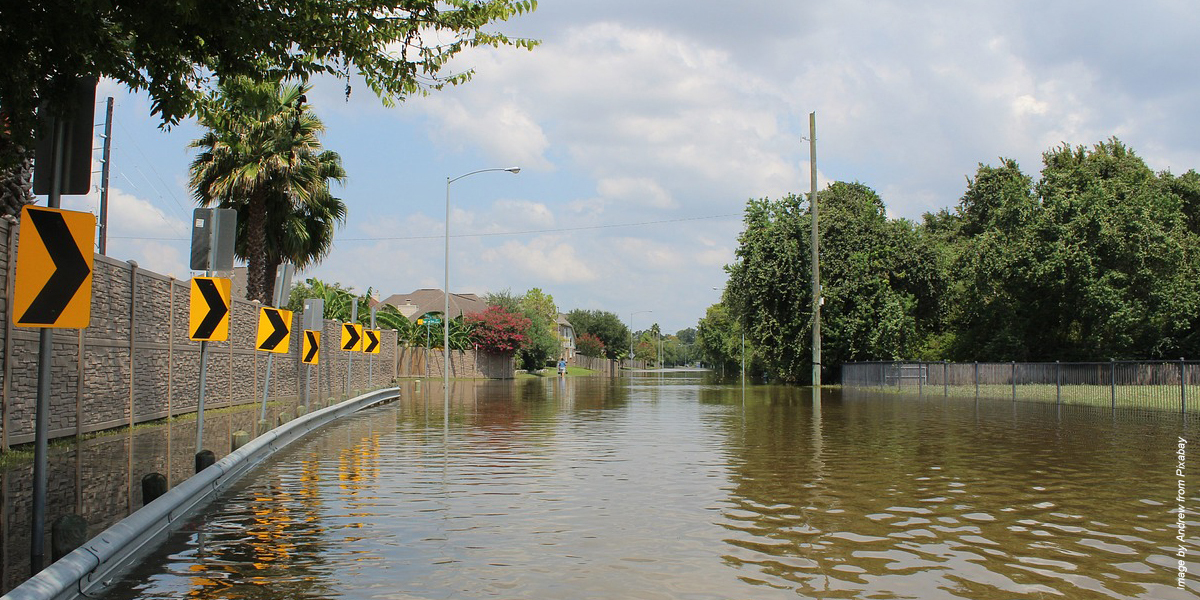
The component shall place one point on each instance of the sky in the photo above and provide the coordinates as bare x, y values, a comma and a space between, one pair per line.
642, 127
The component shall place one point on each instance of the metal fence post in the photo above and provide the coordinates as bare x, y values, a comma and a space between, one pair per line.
1058, 382
976, 380
945, 380
1014, 380
1112, 367
1182, 386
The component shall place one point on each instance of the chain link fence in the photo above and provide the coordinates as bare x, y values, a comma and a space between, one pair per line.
1160, 385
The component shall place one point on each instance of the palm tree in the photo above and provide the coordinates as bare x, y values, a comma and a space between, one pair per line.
262, 157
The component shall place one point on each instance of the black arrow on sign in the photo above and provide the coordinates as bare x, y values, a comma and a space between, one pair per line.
311, 336
372, 341
71, 270
281, 330
216, 308
353, 341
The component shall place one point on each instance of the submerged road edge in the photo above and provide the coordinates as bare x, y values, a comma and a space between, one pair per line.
96, 564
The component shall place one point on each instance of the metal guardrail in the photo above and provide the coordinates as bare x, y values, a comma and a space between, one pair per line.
95, 565
1160, 385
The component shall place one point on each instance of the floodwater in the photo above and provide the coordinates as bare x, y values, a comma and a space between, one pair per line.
674, 487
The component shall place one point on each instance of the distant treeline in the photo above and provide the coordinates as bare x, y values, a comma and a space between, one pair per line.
1095, 260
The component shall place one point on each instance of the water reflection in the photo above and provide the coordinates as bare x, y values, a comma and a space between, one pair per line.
100, 478
676, 487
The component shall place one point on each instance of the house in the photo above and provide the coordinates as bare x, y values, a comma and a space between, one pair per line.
567, 334
425, 301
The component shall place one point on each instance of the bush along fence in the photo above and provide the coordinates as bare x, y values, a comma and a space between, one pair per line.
1162, 385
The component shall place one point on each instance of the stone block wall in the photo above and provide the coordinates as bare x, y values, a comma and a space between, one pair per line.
469, 364
135, 363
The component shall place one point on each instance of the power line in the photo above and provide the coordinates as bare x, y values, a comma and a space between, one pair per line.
530, 231
501, 233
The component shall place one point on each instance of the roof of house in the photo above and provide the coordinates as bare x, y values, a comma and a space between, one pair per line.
423, 301
562, 320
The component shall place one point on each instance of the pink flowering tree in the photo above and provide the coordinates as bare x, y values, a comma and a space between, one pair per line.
589, 345
497, 330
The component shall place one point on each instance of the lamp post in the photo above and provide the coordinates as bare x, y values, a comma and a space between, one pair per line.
446, 312
631, 333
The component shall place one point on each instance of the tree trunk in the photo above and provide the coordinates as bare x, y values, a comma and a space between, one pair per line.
257, 287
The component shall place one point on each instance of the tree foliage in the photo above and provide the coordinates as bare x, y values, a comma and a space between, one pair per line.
1096, 259
177, 49
261, 156
589, 345
606, 326
498, 330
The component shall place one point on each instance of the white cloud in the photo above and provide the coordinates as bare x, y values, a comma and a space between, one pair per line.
547, 257
636, 190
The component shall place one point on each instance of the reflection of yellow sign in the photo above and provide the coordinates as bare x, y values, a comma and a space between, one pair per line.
310, 348
352, 336
210, 309
371, 341
54, 268
274, 329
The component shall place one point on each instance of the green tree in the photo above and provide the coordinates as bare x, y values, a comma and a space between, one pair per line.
604, 325
261, 155
537, 303
719, 339
504, 299
1096, 260
175, 50
542, 343
876, 276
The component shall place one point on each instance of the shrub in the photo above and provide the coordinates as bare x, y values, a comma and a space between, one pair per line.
497, 330
589, 345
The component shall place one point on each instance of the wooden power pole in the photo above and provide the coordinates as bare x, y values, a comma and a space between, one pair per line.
816, 250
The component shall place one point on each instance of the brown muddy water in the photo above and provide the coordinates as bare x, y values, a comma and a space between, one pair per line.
677, 488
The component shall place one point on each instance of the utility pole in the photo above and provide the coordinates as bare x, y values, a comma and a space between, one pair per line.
104, 168
816, 250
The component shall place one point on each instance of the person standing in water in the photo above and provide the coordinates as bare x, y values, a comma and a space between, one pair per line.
562, 367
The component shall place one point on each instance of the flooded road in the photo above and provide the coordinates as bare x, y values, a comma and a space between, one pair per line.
673, 487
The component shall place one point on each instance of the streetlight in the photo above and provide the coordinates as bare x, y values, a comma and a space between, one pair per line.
446, 312
631, 333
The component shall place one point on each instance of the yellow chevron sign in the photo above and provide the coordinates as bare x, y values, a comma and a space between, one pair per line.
274, 330
53, 285
371, 339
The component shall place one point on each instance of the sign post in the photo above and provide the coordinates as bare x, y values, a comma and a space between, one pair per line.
213, 232
73, 178
310, 348
351, 341
278, 339
372, 351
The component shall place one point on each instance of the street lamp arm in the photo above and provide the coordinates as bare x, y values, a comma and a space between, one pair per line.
513, 170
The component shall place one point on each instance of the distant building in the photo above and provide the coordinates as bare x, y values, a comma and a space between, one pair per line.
566, 332
425, 301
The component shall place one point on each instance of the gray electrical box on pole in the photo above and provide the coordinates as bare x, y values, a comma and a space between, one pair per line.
314, 311
213, 233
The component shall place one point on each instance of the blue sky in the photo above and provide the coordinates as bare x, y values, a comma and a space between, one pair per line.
642, 128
